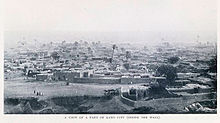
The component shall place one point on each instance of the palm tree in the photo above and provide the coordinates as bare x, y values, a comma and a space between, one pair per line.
63, 42
113, 49
128, 55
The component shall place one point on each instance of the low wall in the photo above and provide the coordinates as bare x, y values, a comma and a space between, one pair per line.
200, 90
178, 103
136, 80
63, 76
180, 83
96, 80
41, 77
126, 101
112, 80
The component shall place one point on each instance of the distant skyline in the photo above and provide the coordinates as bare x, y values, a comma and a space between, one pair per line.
110, 20
146, 38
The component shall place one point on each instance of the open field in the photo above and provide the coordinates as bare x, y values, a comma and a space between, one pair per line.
76, 98
25, 88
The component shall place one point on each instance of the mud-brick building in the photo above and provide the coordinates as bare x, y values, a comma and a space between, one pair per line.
44, 77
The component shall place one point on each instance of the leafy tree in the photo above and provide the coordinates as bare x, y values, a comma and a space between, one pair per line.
168, 71
55, 55
213, 68
159, 49
89, 49
173, 59
213, 65
127, 66
25, 68
128, 55
114, 46
76, 43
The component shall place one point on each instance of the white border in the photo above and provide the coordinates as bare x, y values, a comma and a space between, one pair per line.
200, 118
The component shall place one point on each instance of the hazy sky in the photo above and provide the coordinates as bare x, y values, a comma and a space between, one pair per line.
158, 16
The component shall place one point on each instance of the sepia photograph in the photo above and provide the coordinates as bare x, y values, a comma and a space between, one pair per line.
110, 57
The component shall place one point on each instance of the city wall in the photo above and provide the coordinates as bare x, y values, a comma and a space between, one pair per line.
96, 80
112, 80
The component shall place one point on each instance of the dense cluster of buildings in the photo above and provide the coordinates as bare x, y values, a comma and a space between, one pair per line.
138, 66
84, 62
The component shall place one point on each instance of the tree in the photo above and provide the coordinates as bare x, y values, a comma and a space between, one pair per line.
128, 55
114, 46
76, 43
63, 42
25, 68
113, 49
168, 71
55, 55
213, 65
122, 49
173, 59
213, 68
89, 49
127, 66
159, 49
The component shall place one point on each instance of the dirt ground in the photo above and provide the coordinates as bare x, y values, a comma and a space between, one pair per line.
25, 88
75, 98
22, 91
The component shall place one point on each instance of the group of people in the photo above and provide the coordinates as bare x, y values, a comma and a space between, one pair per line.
38, 93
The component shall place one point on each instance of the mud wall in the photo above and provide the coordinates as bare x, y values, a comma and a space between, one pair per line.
126, 100
112, 80
96, 80
136, 80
